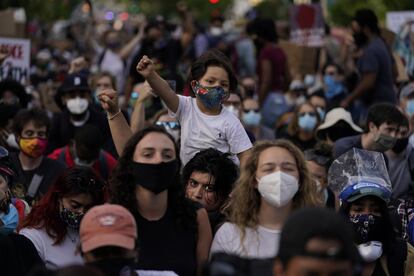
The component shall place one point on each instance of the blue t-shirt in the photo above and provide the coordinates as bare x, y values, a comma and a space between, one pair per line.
376, 58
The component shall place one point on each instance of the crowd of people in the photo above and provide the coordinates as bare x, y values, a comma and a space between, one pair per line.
185, 149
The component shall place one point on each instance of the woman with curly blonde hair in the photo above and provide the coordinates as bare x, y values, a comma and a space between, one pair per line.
274, 182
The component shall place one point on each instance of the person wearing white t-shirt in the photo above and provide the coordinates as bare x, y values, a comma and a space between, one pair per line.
275, 181
53, 224
204, 122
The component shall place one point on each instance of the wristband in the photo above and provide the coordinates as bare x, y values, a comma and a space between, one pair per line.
113, 116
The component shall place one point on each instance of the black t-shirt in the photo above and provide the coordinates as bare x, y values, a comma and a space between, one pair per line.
47, 173
62, 130
18, 256
166, 245
303, 145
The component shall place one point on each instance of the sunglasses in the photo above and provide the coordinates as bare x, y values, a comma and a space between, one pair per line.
257, 110
170, 125
312, 114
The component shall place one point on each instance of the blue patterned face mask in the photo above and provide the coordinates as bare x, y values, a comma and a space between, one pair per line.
211, 97
333, 87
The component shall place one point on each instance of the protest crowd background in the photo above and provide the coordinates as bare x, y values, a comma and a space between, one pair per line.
208, 137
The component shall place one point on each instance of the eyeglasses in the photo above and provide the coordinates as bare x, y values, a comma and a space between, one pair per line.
170, 125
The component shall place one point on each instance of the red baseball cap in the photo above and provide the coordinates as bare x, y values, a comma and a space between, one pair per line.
108, 225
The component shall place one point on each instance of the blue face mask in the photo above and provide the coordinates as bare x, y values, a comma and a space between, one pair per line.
252, 118
333, 87
410, 108
210, 97
307, 122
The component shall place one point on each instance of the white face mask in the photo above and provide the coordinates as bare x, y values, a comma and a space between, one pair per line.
370, 251
278, 188
233, 110
77, 105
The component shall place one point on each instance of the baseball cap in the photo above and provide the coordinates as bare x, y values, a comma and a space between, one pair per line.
365, 188
407, 90
308, 223
107, 225
72, 82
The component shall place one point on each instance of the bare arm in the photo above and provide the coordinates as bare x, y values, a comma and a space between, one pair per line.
138, 115
266, 75
158, 84
205, 238
120, 130
129, 47
243, 157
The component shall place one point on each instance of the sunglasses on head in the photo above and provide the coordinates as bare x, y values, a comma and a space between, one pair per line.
170, 125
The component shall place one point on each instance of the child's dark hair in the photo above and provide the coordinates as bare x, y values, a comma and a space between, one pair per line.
212, 58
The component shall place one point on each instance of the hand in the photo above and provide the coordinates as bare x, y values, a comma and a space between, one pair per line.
77, 65
145, 67
109, 101
145, 91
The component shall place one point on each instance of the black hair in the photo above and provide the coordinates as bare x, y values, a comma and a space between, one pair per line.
384, 113
37, 116
218, 165
309, 223
367, 18
89, 141
339, 69
321, 154
122, 185
264, 28
17, 89
212, 58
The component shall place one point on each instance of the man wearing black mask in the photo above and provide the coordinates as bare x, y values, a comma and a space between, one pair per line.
401, 162
375, 65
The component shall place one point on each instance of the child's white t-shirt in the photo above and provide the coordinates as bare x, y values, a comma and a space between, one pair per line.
199, 131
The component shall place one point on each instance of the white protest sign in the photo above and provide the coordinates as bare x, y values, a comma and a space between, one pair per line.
396, 19
17, 65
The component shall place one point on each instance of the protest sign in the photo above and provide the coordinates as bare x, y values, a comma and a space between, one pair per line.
395, 20
17, 65
301, 60
307, 26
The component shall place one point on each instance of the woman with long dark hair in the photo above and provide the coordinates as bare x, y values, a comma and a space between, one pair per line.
173, 233
53, 223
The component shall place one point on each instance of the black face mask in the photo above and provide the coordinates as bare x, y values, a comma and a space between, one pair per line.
360, 39
155, 177
400, 145
367, 227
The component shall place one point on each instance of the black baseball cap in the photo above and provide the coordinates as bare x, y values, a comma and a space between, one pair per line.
309, 223
72, 82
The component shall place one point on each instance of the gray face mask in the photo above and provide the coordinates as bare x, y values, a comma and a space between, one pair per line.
384, 142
